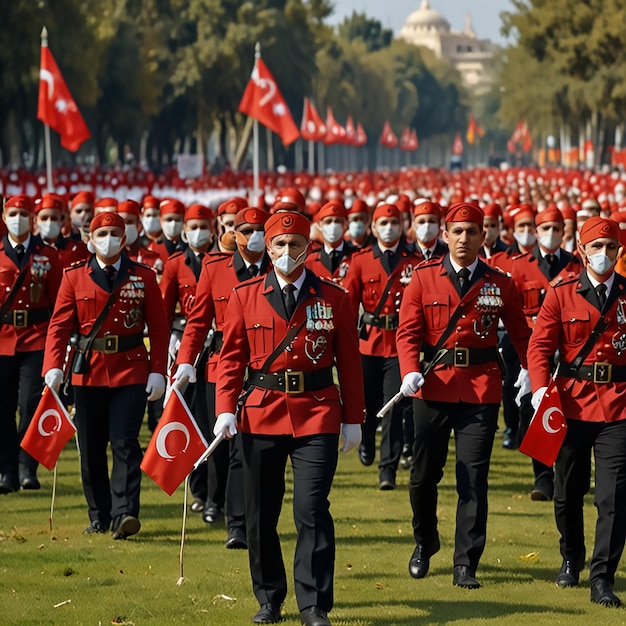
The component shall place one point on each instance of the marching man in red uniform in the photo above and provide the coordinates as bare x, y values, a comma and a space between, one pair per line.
109, 299
30, 273
289, 329
450, 312
584, 319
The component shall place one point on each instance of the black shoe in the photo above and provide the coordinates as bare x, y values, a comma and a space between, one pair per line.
464, 577
569, 574
126, 526
312, 616
197, 506
419, 563
212, 514
236, 539
268, 614
95, 527
602, 593
387, 479
28, 480
367, 453
508, 443
8, 483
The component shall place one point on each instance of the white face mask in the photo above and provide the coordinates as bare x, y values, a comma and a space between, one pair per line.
49, 230
356, 229
570, 244
256, 243
525, 239
550, 241
286, 265
17, 225
198, 237
389, 232
151, 224
172, 229
427, 232
600, 263
107, 247
332, 232
131, 234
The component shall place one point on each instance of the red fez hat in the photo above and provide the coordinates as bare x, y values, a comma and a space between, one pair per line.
549, 215
287, 222
387, 210
358, 206
49, 201
83, 197
404, 203
427, 208
619, 217
568, 213
105, 204
107, 218
234, 205
251, 215
199, 212
150, 202
291, 195
334, 208
129, 206
492, 210
20, 201
171, 205
519, 212
465, 212
598, 228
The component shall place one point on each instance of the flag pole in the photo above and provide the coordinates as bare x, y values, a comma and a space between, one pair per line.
255, 142
46, 133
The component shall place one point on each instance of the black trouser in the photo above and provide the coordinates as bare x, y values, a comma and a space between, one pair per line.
510, 409
381, 379
103, 415
313, 460
572, 482
196, 398
474, 429
21, 385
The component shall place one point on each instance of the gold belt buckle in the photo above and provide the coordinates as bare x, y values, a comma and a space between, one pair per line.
461, 357
602, 372
388, 322
110, 344
20, 318
294, 382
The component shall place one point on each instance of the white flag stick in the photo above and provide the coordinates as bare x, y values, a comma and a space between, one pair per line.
182, 535
390, 404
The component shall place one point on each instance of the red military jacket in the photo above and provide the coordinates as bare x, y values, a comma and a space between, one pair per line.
165, 248
320, 263
70, 251
428, 304
567, 317
366, 281
254, 326
82, 296
37, 293
148, 257
529, 271
178, 283
221, 273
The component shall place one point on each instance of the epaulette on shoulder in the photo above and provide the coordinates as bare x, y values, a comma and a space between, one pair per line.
250, 281
428, 263
146, 267
497, 270
75, 265
332, 283
214, 257
567, 281
176, 254
361, 251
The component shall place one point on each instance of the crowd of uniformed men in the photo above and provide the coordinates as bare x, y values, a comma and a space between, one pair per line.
446, 291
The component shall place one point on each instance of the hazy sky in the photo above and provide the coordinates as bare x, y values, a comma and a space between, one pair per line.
393, 13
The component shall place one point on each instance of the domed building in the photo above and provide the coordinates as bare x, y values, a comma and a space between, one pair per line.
473, 58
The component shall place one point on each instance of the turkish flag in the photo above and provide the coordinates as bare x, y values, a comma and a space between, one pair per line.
350, 132
335, 132
457, 146
49, 430
56, 107
361, 138
388, 138
413, 141
175, 446
405, 139
546, 432
312, 127
263, 101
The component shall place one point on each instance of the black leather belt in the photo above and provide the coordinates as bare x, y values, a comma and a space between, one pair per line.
218, 341
21, 318
462, 357
596, 372
296, 382
110, 344
388, 322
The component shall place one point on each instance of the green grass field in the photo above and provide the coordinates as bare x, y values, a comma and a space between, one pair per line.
95, 580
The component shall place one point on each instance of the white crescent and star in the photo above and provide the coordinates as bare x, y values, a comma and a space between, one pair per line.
47, 77
545, 420
161, 442
57, 425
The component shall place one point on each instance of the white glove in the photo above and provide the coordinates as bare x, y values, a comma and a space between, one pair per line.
411, 383
155, 387
351, 434
225, 425
185, 373
523, 383
53, 378
538, 397
174, 345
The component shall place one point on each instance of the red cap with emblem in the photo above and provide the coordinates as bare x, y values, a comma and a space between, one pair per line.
20, 201
598, 228
198, 212
549, 215
287, 223
150, 202
171, 206
251, 215
83, 197
334, 208
107, 218
387, 210
293, 196
49, 201
105, 204
358, 206
492, 210
129, 206
465, 212
427, 208
233, 205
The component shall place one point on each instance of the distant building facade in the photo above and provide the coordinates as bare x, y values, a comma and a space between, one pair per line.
473, 58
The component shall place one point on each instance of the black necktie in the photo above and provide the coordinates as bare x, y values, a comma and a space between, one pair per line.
253, 269
601, 291
553, 265
110, 272
289, 298
197, 264
20, 251
388, 261
463, 278
427, 254
335, 257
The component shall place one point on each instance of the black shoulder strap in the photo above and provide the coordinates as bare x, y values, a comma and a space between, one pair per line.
98, 323
599, 328
383, 298
287, 339
13, 293
439, 350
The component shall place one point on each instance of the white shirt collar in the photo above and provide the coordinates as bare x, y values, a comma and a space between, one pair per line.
297, 283
328, 249
384, 248
471, 267
15, 244
116, 265
608, 282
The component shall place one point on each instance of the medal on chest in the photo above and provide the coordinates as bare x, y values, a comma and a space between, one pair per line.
488, 305
132, 295
319, 321
407, 274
